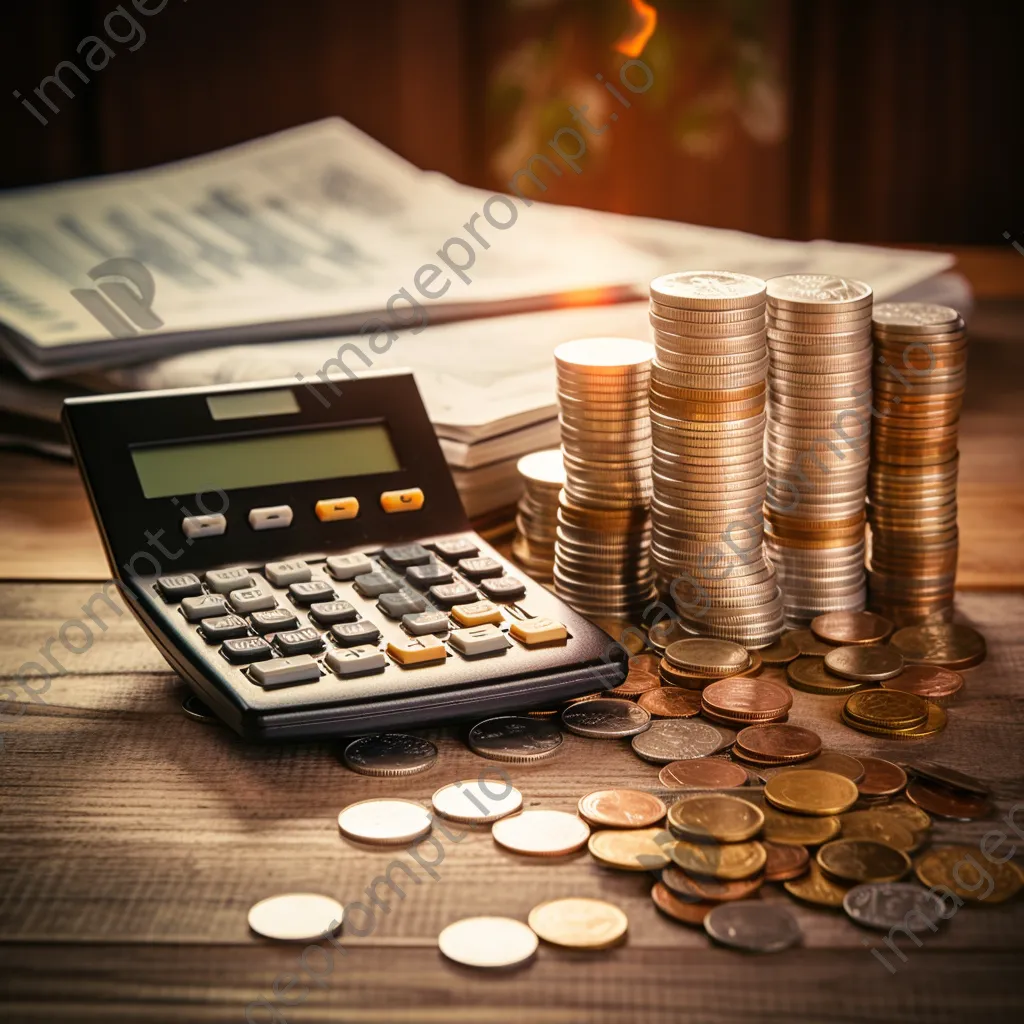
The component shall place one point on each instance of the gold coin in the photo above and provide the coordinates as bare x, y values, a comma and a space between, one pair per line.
782, 652
809, 674
851, 627
835, 762
725, 819
729, 861
707, 656
621, 808
640, 849
933, 724
579, 923
862, 860
488, 942
887, 709
907, 814
817, 888
798, 829
811, 792
957, 868
883, 828
541, 833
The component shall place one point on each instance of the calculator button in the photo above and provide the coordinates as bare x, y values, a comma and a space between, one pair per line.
223, 581
285, 672
203, 526
347, 567
373, 584
479, 640
223, 627
449, 594
424, 576
299, 641
419, 623
479, 568
408, 500
352, 634
274, 620
311, 592
394, 606
205, 607
477, 613
540, 630
453, 550
272, 517
355, 661
417, 650
503, 588
252, 599
329, 510
327, 613
247, 648
174, 588
404, 555
281, 574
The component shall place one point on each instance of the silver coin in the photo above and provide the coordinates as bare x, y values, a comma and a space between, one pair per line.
874, 664
390, 754
296, 917
886, 905
198, 711
753, 926
514, 739
606, 718
477, 801
677, 739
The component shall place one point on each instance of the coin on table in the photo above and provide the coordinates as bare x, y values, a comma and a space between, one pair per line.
881, 778
579, 923
811, 792
862, 860
515, 739
477, 801
488, 942
851, 628
817, 888
943, 802
777, 743
386, 821
707, 656
296, 917
784, 862
811, 676
671, 702
635, 684
913, 817
883, 828
943, 644
753, 926
959, 869
745, 699
199, 712
728, 860
676, 739
799, 829
808, 644
703, 773
666, 632
780, 653
541, 833
621, 808
687, 911
606, 719
943, 775
886, 709
833, 761
864, 664
706, 889
390, 754
928, 681
717, 816
631, 849
886, 905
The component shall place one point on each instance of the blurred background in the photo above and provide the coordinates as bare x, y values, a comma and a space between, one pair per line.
858, 120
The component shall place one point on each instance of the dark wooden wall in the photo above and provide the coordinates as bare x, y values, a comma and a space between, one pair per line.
904, 116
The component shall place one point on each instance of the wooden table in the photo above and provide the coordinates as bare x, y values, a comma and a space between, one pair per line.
135, 839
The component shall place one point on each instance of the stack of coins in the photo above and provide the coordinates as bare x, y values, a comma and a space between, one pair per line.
819, 341
602, 562
707, 422
543, 476
920, 373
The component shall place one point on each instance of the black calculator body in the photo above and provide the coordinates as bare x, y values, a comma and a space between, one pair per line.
300, 555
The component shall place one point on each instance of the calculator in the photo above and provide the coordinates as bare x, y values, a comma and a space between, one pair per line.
300, 555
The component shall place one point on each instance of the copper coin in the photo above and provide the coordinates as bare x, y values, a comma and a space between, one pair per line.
778, 742
881, 778
644, 663
808, 644
941, 644
929, 681
714, 890
864, 664
635, 683
671, 702
702, 773
746, 698
672, 676
681, 910
851, 628
784, 862
621, 808
832, 761
782, 652
948, 803
811, 676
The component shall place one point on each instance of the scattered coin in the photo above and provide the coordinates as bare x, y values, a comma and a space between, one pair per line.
883, 828
541, 833
728, 860
943, 644
811, 676
637, 682
929, 681
782, 652
784, 862
744, 700
621, 808
913, 817
703, 773
945, 776
199, 712
711, 890
958, 869
885, 709
808, 644
881, 778
390, 754
817, 888
673, 739
862, 860
488, 942
707, 656
777, 744
607, 719
717, 816
384, 821
799, 829
515, 739
752, 926
671, 702
666, 632
682, 910
579, 923
477, 801
948, 803
811, 792
833, 761
644, 849
296, 917
864, 664
851, 627
886, 905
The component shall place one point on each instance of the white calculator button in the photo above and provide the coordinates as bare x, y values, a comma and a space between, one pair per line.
272, 517
355, 661
223, 581
252, 599
281, 574
478, 639
348, 567
203, 526
285, 671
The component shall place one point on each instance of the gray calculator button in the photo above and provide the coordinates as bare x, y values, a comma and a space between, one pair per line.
274, 620
453, 550
281, 574
352, 634
347, 567
311, 592
404, 555
205, 607
480, 568
252, 599
432, 574
449, 594
223, 627
271, 517
223, 581
327, 613
285, 672
483, 639
419, 623
299, 641
503, 588
394, 606
247, 648
174, 588
355, 661
203, 526
373, 584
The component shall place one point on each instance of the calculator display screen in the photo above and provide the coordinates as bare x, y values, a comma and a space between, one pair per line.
283, 458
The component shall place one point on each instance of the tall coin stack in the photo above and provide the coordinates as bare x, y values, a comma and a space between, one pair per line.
819, 419
543, 476
920, 374
707, 426
602, 558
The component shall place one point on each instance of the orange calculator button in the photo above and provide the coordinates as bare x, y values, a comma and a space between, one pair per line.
330, 509
408, 500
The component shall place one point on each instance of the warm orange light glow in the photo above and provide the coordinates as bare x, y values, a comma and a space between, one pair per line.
632, 44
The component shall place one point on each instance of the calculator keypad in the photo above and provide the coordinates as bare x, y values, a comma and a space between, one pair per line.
274, 620
311, 592
257, 598
246, 649
223, 627
395, 605
327, 613
206, 606
223, 581
174, 588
